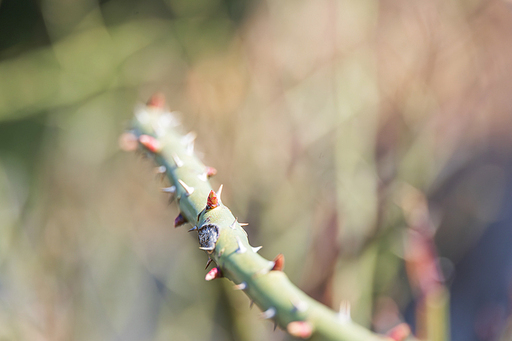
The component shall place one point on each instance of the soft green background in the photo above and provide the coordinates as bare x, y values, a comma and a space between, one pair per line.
318, 115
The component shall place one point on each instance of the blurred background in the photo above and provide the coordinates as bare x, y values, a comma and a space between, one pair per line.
352, 135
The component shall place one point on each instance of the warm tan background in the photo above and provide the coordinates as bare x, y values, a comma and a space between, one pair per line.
321, 118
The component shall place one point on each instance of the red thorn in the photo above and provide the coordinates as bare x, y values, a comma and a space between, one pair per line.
399, 332
212, 201
213, 274
210, 171
180, 220
150, 143
157, 101
300, 329
278, 263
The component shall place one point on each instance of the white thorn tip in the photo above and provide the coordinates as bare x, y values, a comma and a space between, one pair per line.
300, 306
186, 187
206, 248
241, 286
193, 229
344, 313
171, 189
177, 160
256, 249
190, 148
241, 247
219, 193
269, 313
189, 138
160, 170
233, 226
203, 176
244, 224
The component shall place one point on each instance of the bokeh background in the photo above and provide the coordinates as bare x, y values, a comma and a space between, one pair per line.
336, 127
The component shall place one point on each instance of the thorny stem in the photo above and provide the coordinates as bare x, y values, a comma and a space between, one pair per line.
225, 241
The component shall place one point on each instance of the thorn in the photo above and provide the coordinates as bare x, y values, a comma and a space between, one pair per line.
213, 274
150, 143
157, 101
241, 286
275, 325
188, 138
269, 313
256, 249
180, 220
177, 161
190, 148
221, 252
187, 188
243, 224
233, 226
212, 201
208, 262
251, 304
219, 193
241, 247
192, 229
300, 329
210, 171
203, 176
207, 248
171, 189
128, 142
299, 306
160, 170
399, 332
278, 263
344, 313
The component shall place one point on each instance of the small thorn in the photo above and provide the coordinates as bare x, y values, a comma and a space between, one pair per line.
241, 286
233, 226
177, 161
300, 329
299, 306
160, 170
190, 148
241, 247
219, 193
171, 189
251, 304
150, 143
157, 101
278, 263
208, 263
202, 177
180, 220
243, 224
399, 332
269, 313
210, 171
128, 142
188, 138
275, 325
212, 201
256, 249
221, 252
213, 274
192, 229
189, 190
344, 313
207, 248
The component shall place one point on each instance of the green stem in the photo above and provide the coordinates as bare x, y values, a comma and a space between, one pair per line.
269, 288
